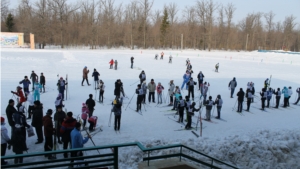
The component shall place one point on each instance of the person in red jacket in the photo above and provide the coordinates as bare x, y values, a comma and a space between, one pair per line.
20, 94
111, 63
66, 127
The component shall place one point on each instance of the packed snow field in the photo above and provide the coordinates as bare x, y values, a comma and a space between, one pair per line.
255, 139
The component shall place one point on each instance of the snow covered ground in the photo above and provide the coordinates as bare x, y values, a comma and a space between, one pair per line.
260, 139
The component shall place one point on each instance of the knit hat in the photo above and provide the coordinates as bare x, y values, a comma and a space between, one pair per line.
83, 105
69, 114
2, 119
49, 111
10, 101
37, 102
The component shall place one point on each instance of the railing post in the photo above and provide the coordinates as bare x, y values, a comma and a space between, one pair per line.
148, 157
116, 158
212, 162
180, 153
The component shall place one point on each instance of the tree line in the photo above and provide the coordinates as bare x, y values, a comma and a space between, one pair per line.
205, 25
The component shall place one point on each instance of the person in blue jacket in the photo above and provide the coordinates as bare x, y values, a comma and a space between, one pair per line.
286, 95
186, 78
26, 84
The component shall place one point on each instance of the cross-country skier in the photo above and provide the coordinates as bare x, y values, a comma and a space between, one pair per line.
266, 83
298, 91
200, 77
66, 128
91, 104
144, 87
186, 78
290, 95
111, 63
263, 95
217, 67
59, 101
189, 66
250, 86
20, 94
26, 84
187, 104
118, 85
62, 86
162, 55
191, 84
142, 76
249, 97
85, 73
240, 99
156, 56
84, 114
116, 64
33, 77
48, 133
176, 94
187, 61
278, 96
117, 109
181, 106
232, 85
131, 60
43, 82
159, 90
286, 95
59, 117
151, 87
37, 88
208, 104
139, 92
204, 91
219, 103
171, 92
96, 75
190, 113
102, 89
269, 96
170, 59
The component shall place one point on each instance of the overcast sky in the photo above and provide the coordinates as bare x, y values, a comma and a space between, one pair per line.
281, 8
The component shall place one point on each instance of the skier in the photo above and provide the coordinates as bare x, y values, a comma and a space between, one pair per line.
263, 95
217, 67
159, 90
139, 92
116, 64
232, 85
240, 99
62, 86
30, 101
151, 87
96, 75
286, 95
142, 77
171, 92
181, 106
176, 97
59, 117
37, 88
269, 96
118, 85
10, 109
48, 133
111, 63
219, 103
102, 89
66, 128
59, 101
290, 95
26, 84
131, 60
278, 96
93, 122
266, 84
144, 87
208, 104
84, 114
37, 121
156, 56
191, 84
162, 55
117, 109
186, 78
170, 59
33, 77
91, 104
187, 105
200, 77
187, 61
204, 91
252, 90
85, 73
43, 82
298, 91
4, 140
191, 113
20, 94
189, 66
249, 97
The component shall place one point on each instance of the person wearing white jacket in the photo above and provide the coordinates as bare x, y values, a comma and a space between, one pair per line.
4, 140
102, 89
171, 92
290, 95
30, 100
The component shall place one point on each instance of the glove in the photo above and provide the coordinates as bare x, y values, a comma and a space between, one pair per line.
11, 91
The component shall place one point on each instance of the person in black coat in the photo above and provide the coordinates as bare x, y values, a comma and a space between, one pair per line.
96, 75
118, 87
191, 84
142, 77
37, 121
200, 77
42, 82
131, 60
241, 95
33, 77
91, 104
10, 109
140, 93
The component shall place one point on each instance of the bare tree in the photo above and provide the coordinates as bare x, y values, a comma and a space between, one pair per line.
288, 26
172, 11
4, 9
229, 10
221, 25
190, 19
132, 14
269, 26
146, 6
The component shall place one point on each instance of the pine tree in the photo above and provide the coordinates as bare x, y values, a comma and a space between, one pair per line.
164, 28
9, 23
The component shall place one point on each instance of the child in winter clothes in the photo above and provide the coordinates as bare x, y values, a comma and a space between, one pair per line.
219, 103
111, 63
4, 140
159, 90
171, 92
37, 88
102, 88
59, 100
190, 113
93, 122
84, 114
20, 94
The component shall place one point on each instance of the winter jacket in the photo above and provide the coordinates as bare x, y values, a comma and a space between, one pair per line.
263, 95
20, 94
59, 117
93, 119
177, 91
139, 92
159, 89
200, 76
30, 99
191, 84
58, 101
42, 79
67, 126
219, 102
249, 95
209, 104
84, 112
290, 92
151, 87
181, 105
4, 134
117, 109
9, 112
131, 59
142, 76
278, 93
144, 87
48, 126
240, 95
118, 88
33, 76
102, 87
90, 103
186, 77
37, 117
171, 89
96, 75
232, 84
191, 110
77, 139
85, 72
61, 84
111, 62
25, 83
37, 87
20, 120
285, 92
269, 94
204, 90
177, 96
18, 142
116, 63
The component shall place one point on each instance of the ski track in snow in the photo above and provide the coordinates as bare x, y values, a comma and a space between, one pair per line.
260, 140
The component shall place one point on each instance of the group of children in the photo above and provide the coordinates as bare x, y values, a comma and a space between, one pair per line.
111, 64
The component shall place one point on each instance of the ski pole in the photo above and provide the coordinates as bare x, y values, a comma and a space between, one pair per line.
129, 102
91, 140
134, 83
109, 122
234, 104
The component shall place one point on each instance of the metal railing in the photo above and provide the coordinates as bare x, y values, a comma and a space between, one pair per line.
110, 159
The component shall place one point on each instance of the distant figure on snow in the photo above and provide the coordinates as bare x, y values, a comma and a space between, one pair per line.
162, 55
111, 63
217, 67
131, 60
